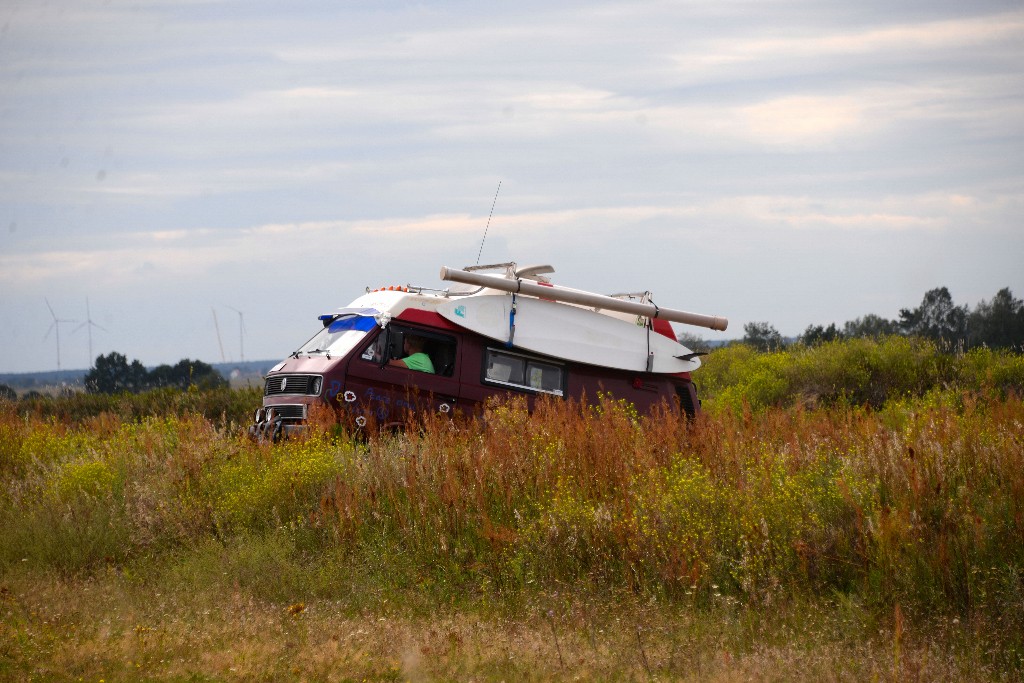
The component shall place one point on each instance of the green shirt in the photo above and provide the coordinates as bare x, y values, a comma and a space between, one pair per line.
420, 362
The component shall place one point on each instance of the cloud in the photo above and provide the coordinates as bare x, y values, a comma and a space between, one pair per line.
805, 213
805, 119
184, 182
819, 86
195, 252
931, 37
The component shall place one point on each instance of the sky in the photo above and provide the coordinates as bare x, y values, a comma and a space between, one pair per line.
171, 169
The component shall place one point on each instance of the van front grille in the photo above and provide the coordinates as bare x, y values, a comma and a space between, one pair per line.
288, 412
300, 385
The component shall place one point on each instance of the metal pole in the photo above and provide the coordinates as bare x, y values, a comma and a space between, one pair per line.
576, 296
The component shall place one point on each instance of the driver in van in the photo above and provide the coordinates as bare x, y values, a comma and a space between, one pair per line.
415, 358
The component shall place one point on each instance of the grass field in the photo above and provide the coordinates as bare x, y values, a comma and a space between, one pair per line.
851, 512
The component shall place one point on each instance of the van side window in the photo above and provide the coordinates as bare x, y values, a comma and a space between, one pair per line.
516, 370
390, 344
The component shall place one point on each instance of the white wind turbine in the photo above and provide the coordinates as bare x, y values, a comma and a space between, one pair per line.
216, 327
88, 325
241, 333
55, 327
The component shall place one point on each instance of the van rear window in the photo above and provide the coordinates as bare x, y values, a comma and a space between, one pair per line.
523, 372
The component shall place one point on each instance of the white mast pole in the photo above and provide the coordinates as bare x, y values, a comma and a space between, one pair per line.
576, 296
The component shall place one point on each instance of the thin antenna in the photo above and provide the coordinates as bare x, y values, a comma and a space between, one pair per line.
488, 224
241, 333
55, 326
217, 328
88, 325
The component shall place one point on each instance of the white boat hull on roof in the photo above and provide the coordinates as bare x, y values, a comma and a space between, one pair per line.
568, 332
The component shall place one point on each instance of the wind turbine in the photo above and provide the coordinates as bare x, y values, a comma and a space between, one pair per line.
216, 327
88, 325
55, 326
241, 332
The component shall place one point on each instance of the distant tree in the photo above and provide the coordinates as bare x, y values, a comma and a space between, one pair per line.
816, 334
112, 374
762, 336
7, 393
936, 318
693, 342
870, 325
186, 373
998, 323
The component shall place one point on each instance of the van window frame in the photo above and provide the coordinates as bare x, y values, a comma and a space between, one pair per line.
383, 342
527, 358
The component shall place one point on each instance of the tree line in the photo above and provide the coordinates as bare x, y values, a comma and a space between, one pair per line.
113, 374
997, 323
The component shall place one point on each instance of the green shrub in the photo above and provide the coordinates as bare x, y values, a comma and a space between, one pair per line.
90, 478
857, 371
257, 491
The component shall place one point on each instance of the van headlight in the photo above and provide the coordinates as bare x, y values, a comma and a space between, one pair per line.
316, 386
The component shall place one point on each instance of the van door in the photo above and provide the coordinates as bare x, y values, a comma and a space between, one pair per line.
390, 394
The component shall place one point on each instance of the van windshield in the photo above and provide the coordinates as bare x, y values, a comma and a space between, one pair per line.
339, 337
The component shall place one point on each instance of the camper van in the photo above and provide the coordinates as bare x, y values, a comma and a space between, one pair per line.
499, 329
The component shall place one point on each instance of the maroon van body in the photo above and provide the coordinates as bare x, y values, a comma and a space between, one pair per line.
469, 369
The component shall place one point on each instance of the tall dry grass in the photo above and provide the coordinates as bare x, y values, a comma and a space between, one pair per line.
918, 504
909, 509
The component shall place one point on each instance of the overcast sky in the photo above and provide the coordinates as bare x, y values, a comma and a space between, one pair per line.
796, 162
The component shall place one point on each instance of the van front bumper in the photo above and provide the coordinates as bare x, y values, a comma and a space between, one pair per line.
275, 422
